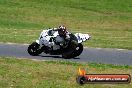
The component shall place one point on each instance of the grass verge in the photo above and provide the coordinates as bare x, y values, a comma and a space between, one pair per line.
24, 73
107, 21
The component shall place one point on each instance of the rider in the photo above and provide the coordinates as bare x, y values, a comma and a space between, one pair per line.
59, 36
63, 38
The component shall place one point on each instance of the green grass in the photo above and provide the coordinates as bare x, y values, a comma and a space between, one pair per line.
23, 73
107, 21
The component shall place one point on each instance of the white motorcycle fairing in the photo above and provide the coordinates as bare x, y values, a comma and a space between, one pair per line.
44, 39
82, 37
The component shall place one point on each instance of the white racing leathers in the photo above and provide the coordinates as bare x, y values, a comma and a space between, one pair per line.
46, 37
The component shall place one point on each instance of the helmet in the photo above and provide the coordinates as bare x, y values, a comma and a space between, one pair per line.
62, 30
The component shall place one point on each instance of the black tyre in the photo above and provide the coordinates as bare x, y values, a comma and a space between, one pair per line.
33, 49
69, 52
67, 56
79, 50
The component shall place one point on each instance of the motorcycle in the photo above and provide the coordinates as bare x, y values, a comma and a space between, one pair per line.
72, 49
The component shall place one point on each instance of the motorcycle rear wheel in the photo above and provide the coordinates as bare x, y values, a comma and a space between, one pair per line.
79, 50
75, 53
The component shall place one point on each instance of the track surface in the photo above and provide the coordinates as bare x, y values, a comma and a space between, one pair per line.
110, 56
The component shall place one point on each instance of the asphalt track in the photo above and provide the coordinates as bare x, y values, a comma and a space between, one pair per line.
94, 55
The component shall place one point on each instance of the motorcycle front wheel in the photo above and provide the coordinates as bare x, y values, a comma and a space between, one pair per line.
33, 49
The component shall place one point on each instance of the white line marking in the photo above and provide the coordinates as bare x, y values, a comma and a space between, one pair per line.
121, 49
9, 43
